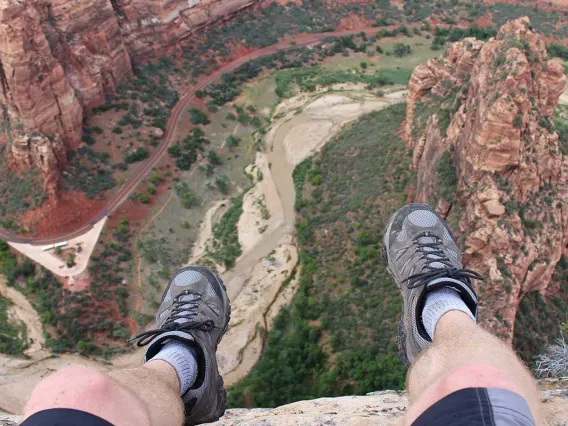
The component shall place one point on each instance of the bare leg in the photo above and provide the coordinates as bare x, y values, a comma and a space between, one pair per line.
465, 356
144, 396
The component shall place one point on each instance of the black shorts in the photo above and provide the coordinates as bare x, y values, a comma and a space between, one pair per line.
64, 417
478, 406
466, 407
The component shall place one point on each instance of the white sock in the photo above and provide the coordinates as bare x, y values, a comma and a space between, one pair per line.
183, 359
438, 303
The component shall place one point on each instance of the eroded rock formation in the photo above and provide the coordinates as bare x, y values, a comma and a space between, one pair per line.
486, 109
61, 57
148, 26
46, 154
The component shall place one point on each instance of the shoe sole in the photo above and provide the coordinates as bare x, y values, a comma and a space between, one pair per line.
221, 391
401, 334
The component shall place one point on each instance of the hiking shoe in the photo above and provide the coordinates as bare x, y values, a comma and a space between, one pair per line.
422, 256
195, 309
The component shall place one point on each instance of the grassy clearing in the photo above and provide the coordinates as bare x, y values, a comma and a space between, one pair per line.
421, 52
337, 336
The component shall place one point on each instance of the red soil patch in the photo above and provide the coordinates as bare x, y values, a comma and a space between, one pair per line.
72, 210
137, 212
81, 282
352, 22
483, 22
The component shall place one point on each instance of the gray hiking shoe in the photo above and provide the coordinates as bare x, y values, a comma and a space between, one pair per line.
196, 310
422, 256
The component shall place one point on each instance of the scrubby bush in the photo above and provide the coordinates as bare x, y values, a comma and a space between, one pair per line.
139, 154
554, 361
196, 116
187, 198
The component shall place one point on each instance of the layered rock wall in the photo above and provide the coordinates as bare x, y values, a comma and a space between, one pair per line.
59, 58
36, 93
497, 100
148, 26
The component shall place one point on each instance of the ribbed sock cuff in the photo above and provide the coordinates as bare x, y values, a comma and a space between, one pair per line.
183, 358
437, 304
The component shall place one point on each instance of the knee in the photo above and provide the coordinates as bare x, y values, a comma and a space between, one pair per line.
72, 387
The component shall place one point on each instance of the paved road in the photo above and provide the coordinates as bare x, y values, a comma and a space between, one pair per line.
168, 138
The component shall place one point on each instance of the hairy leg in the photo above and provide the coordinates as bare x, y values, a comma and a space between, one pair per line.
144, 396
465, 356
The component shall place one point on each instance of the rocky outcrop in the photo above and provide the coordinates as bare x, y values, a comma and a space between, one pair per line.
148, 26
36, 93
46, 154
376, 408
59, 58
488, 107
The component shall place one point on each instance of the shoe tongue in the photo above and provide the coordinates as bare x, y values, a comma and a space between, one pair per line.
189, 298
427, 240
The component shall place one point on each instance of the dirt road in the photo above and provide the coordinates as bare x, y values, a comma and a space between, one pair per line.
117, 199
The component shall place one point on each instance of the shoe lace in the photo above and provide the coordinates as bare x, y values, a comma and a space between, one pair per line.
182, 318
430, 246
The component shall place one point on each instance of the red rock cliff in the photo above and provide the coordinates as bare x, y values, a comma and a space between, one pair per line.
484, 110
61, 57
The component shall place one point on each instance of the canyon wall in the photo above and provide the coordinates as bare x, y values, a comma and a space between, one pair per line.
59, 58
486, 153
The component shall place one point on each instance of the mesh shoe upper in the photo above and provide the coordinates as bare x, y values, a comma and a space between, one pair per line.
422, 255
195, 309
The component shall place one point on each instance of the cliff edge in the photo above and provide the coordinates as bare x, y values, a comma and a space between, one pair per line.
377, 408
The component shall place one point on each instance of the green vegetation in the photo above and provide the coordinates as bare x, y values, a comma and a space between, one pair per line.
88, 171
309, 78
447, 177
88, 139
226, 247
19, 192
443, 35
232, 141
13, 336
560, 121
187, 198
139, 154
401, 49
346, 297
196, 116
558, 50
185, 153
222, 183
72, 320
542, 319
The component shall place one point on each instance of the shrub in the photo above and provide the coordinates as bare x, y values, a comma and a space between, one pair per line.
196, 116
138, 154
88, 139
222, 183
187, 198
117, 130
214, 158
401, 49
232, 141
554, 361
